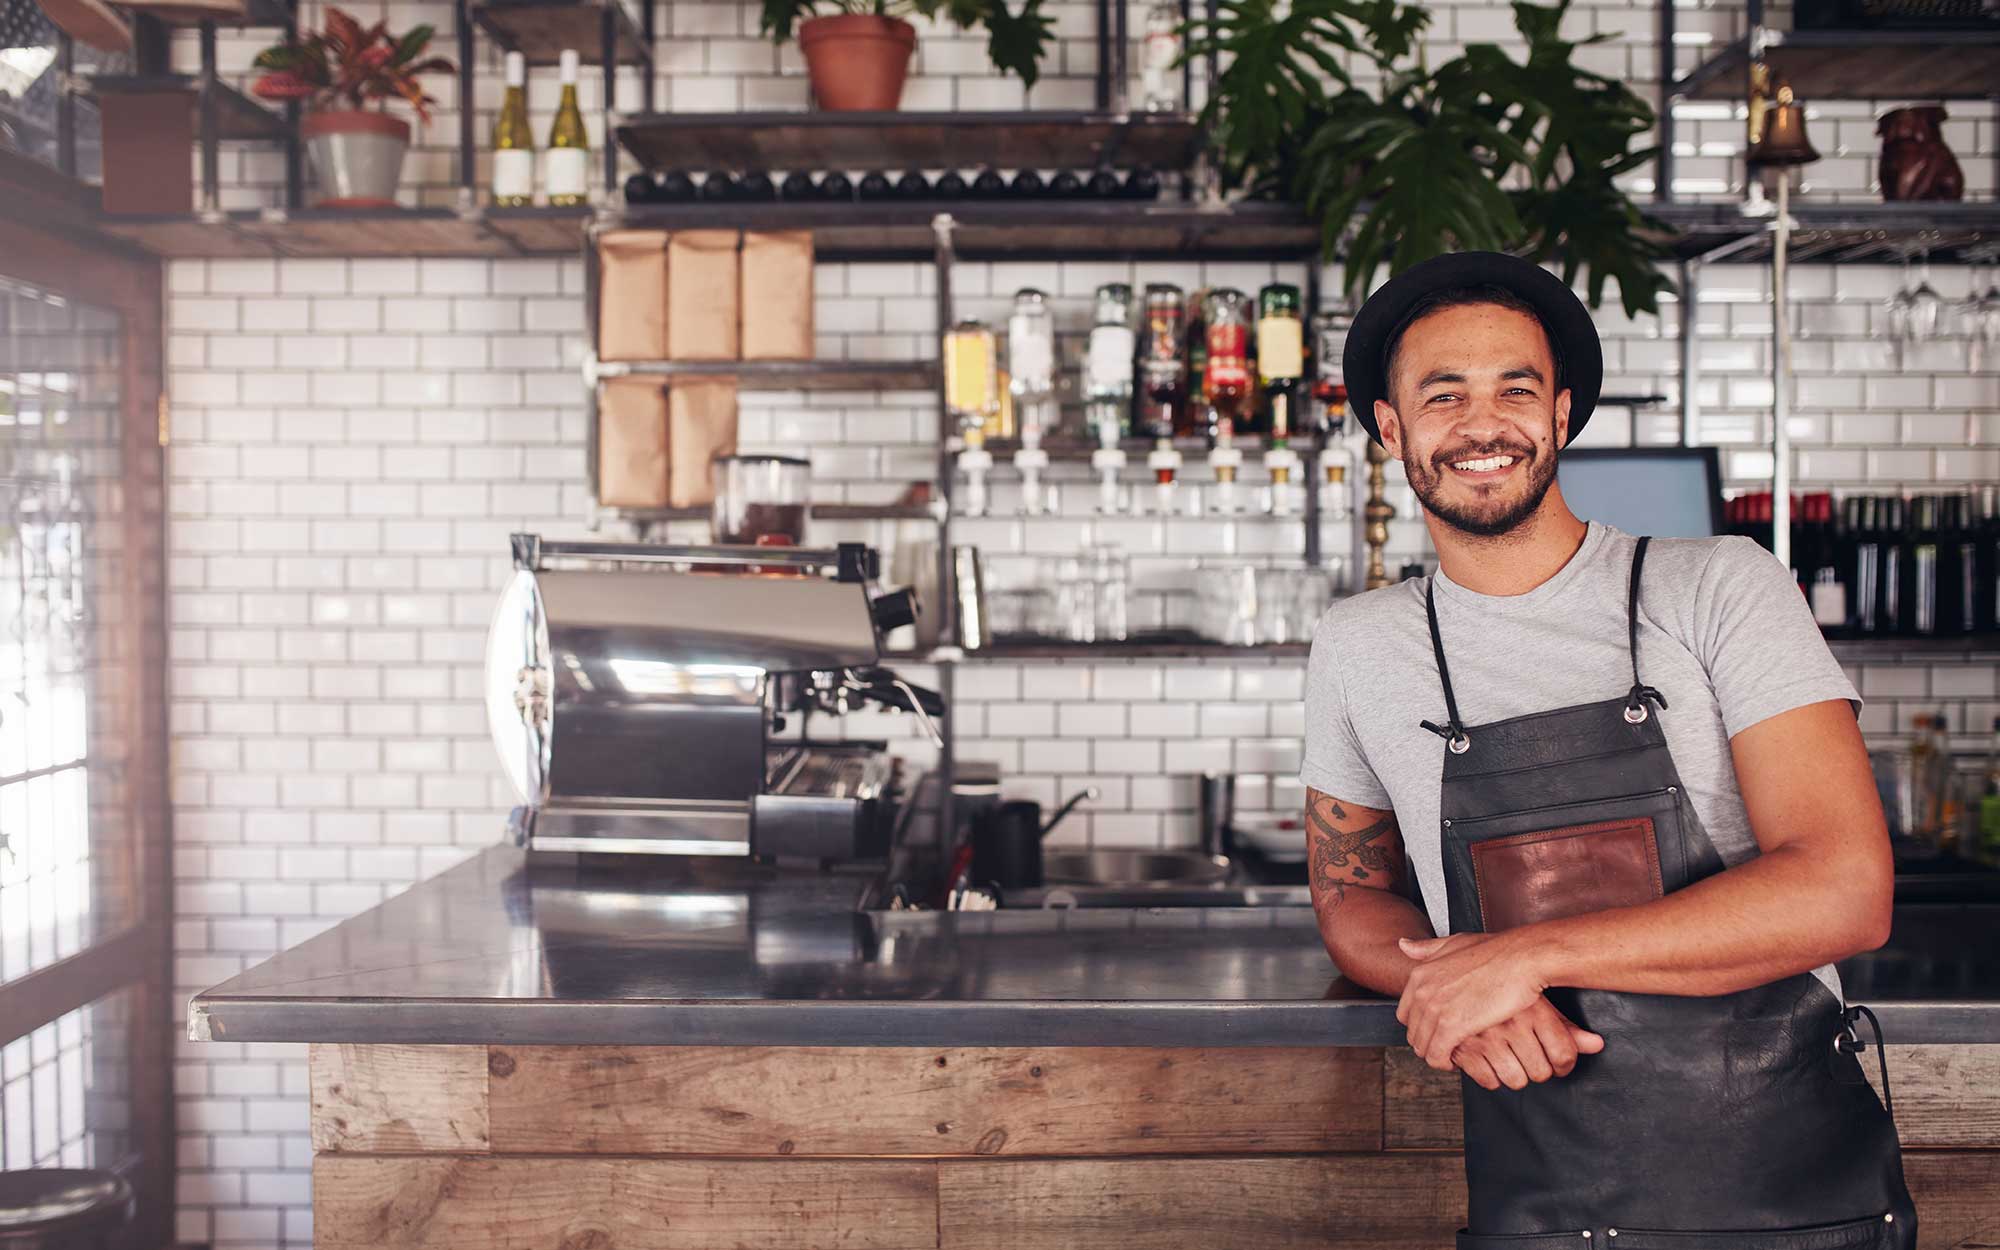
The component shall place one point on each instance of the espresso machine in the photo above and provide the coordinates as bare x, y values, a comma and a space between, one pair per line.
649, 699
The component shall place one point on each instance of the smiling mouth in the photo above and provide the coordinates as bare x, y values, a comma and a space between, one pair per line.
1478, 466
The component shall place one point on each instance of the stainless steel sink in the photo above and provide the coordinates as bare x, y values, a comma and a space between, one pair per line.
1132, 868
1058, 897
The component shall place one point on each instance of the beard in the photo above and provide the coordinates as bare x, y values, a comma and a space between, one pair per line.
1487, 516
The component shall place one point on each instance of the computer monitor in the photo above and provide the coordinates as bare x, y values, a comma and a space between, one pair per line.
1668, 492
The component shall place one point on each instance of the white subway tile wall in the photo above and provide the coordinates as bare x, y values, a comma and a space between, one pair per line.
354, 439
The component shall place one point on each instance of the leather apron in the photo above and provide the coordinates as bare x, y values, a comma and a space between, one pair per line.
1730, 1122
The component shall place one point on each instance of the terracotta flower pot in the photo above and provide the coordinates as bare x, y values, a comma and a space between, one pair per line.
857, 61
357, 156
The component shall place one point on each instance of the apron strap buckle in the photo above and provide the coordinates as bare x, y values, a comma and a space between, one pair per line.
1636, 700
1454, 736
1849, 1041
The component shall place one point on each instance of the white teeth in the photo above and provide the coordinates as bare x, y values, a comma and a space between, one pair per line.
1483, 466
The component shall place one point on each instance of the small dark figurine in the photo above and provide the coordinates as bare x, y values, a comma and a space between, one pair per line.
1916, 165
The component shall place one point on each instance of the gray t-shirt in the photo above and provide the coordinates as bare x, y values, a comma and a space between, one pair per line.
1723, 633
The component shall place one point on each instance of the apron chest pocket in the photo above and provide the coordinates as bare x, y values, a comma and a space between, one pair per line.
1565, 859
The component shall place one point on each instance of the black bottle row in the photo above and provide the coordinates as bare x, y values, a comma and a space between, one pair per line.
1876, 565
719, 186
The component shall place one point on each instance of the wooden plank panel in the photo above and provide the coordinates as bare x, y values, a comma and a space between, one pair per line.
399, 1099
1945, 1095
1355, 1202
907, 1101
1958, 1198
1420, 1105
621, 1204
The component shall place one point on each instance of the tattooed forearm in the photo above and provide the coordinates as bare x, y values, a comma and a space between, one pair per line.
1350, 848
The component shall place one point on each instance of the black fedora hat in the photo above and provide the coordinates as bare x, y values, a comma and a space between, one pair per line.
1563, 315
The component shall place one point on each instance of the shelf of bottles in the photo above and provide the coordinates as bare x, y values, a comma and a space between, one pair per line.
1892, 568
1169, 376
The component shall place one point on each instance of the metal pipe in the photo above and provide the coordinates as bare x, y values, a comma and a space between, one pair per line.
1315, 440
468, 193
647, 65
211, 139
608, 33
1663, 164
1103, 54
66, 106
943, 254
1121, 74
1781, 349
1690, 357
295, 173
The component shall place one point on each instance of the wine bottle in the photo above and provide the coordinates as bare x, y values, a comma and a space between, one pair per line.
1864, 576
836, 186
718, 186
949, 186
913, 186
1028, 185
675, 187
566, 165
641, 189
1986, 566
875, 185
1891, 612
1104, 185
1066, 185
1142, 184
513, 143
798, 185
1923, 572
989, 185
756, 186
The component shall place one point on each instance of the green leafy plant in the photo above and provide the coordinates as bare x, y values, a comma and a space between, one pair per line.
1015, 42
347, 65
1409, 161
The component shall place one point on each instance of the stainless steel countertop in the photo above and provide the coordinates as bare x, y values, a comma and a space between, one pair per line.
720, 952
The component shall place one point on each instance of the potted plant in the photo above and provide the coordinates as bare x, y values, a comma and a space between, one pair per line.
357, 152
1482, 152
858, 51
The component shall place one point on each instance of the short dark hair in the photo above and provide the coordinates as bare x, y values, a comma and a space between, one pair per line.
1460, 297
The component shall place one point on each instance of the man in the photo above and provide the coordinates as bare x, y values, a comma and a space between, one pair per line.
1642, 824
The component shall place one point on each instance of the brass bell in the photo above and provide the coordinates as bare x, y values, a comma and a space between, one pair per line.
1777, 125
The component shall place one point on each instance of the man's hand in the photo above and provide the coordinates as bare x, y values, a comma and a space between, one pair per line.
1463, 984
1538, 1045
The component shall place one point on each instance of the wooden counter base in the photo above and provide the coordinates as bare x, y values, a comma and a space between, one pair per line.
797, 1148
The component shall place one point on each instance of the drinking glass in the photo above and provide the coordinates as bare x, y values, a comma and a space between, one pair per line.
1110, 572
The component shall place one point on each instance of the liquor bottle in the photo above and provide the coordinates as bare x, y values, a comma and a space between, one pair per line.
641, 189
1827, 589
875, 185
1280, 358
1028, 185
1142, 184
972, 396
1923, 567
1891, 612
1864, 569
1104, 185
950, 186
1930, 783
1329, 393
513, 143
1958, 568
756, 187
1226, 369
1159, 57
675, 187
798, 185
1162, 364
836, 186
1986, 564
1107, 366
1194, 419
1987, 851
1066, 185
989, 185
566, 164
718, 186
913, 186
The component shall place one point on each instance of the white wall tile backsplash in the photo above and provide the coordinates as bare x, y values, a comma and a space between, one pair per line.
354, 440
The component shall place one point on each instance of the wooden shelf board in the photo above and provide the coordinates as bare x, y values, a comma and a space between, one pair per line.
1043, 139
819, 512
358, 232
237, 115
1862, 65
255, 13
1144, 649
789, 375
540, 29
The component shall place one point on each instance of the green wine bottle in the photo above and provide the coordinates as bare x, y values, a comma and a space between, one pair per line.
513, 143
566, 165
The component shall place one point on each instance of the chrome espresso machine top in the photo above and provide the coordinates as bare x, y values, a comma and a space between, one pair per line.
652, 699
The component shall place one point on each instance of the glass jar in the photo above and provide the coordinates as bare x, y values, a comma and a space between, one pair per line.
760, 500
1162, 368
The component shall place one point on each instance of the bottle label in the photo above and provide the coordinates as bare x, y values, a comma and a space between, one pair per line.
1280, 347
1109, 360
1829, 603
566, 171
513, 174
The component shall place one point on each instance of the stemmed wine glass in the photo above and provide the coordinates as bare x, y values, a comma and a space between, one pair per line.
1980, 312
1914, 311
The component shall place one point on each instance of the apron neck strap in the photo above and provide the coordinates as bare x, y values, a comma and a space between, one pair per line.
1641, 693
1453, 730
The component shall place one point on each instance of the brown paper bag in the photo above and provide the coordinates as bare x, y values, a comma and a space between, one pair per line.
702, 295
778, 295
701, 425
632, 295
632, 443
